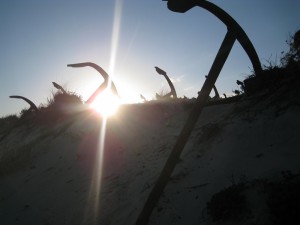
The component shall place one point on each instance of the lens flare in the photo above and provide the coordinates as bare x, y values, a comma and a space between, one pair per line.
106, 103
109, 103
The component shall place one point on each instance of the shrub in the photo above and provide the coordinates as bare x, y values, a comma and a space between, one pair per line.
273, 75
60, 99
60, 107
292, 57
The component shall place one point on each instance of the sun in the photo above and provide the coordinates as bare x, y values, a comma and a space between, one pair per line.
106, 103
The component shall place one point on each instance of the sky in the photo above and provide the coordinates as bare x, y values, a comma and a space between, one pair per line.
128, 38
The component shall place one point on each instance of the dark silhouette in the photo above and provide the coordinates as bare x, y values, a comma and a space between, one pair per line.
142, 97
172, 93
103, 86
237, 92
240, 83
57, 86
216, 91
182, 6
296, 43
234, 32
225, 95
32, 105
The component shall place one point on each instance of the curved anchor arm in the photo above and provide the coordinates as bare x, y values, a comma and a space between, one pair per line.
173, 91
57, 86
104, 75
100, 70
185, 5
32, 105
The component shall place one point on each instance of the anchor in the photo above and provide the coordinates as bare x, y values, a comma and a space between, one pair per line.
234, 32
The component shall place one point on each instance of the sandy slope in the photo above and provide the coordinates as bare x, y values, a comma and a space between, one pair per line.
51, 176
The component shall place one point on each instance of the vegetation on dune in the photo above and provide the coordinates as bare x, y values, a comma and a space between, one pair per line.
58, 108
274, 75
60, 99
292, 57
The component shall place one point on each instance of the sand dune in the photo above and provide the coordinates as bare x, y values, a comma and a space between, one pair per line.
52, 175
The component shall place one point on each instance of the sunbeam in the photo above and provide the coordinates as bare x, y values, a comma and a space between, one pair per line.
98, 169
115, 35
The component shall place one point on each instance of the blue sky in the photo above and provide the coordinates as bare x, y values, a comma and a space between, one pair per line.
128, 38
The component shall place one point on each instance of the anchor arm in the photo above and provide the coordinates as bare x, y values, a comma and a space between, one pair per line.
95, 94
100, 70
32, 105
182, 6
57, 86
162, 72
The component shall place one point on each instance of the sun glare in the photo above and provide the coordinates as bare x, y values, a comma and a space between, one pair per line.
106, 103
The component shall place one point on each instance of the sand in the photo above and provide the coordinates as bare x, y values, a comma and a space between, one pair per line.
52, 175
